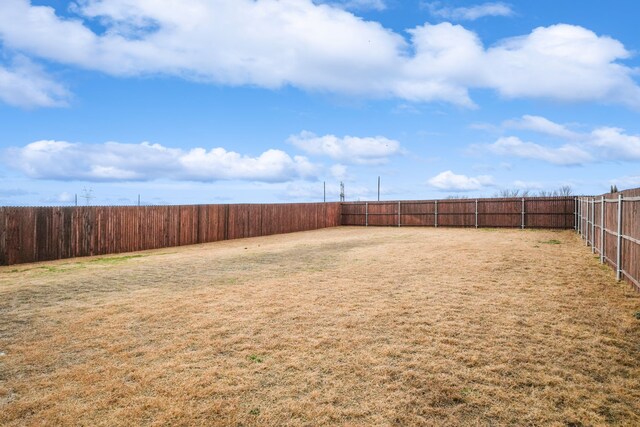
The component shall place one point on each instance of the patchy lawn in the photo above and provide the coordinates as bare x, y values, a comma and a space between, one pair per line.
346, 326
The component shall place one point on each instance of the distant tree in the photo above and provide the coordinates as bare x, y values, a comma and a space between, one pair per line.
565, 190
456, 196
507, 192
614, 189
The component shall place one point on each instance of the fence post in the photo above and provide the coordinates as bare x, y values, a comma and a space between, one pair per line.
399, 214
436, 218
586, 224
619, 248
366, 214
523, 213
593, 225
602, 205
575, 213
580, 216
476, 213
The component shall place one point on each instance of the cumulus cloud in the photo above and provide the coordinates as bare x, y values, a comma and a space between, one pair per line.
348, 149
613, 143
470, 13
320, 47
564, 155
583, 66
65, 197
113, 161
449, 181
60, 198
26, 85
338, 171
599, 144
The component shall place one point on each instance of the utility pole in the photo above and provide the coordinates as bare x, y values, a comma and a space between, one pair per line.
378, 188
138, 200
341, 191
324, 191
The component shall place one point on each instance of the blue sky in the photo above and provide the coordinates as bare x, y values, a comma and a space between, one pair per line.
222, 101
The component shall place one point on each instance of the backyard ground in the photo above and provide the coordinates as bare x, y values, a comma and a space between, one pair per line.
344, 326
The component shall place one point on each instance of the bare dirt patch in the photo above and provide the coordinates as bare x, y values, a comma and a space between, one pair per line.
347, 326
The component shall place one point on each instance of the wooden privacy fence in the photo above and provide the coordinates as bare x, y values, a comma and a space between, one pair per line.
48, 233
530, 212
610, 224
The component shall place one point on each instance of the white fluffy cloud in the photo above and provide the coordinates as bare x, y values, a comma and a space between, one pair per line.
564, 62
348, 149
26, 85
613, 143
319, 47
339, 171
60, 198
112, 161
470, 13
449, 181
564, 155
600, 144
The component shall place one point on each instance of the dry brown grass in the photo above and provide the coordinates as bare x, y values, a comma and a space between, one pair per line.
347, 326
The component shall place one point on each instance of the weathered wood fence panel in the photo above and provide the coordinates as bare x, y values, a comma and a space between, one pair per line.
532, 212
610, 224
48, 233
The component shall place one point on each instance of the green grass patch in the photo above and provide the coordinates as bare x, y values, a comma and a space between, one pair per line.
256, 358
47, 268
114, 259
75, 265
551, 242
58, 268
